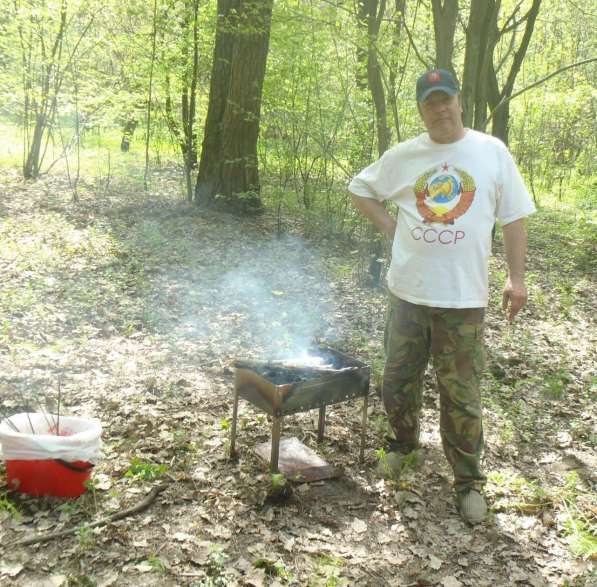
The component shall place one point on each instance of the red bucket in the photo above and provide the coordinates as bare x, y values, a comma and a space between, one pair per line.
41, 462
56, 477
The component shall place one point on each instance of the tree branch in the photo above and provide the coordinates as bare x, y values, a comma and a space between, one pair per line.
412, 44
538, 83
142, 505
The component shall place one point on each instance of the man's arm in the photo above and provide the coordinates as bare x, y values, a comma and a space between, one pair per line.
514, 295
377, 213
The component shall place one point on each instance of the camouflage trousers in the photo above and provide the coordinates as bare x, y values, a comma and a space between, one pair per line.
453, 339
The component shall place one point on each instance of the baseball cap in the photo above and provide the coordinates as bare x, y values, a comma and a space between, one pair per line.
436, 80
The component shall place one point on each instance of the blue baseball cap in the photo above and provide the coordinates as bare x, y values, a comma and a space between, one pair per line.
436, 80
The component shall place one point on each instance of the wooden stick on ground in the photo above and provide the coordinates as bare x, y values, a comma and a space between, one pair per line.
142, 505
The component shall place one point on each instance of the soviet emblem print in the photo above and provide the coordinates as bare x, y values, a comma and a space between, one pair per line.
444, 193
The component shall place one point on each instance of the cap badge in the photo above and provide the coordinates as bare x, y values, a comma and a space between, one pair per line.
434, 77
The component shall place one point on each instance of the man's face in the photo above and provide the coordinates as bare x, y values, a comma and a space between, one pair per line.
441, 114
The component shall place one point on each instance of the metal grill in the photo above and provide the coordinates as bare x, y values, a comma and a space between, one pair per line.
288, 387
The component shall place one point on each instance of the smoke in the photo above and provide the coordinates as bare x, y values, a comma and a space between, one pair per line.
272, 299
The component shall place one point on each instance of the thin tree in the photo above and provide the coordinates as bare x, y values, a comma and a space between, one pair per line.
185, 132
149, 92
41, 108
369, 17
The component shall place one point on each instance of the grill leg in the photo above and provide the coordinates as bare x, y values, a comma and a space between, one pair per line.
276, 430
321, 425
233, 427
364, 429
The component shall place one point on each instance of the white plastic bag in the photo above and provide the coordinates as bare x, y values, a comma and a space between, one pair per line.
79, 438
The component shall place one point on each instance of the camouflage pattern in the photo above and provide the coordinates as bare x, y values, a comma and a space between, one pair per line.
453, 339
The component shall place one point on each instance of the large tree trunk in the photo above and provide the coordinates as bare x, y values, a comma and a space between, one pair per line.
209, 165
228, 171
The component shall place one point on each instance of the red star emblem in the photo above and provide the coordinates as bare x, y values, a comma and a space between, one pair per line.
445, 167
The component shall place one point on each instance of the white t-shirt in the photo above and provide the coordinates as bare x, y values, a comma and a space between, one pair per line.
449, 197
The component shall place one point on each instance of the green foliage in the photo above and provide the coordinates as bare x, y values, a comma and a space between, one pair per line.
156, 564
6, 505
317, 125
216, 569
517, 493
85, 537
80, 580
580, 522
327, 572
555, 384
574, 504
582, 537
274, 569
144, 471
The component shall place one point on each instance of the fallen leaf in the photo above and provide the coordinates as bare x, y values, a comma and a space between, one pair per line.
144, 567
182, 536
255, 578
107, 580
10, 569
359, 526
451, 581
51, 581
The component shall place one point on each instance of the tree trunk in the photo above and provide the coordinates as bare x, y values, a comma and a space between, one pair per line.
370, 15
185, 132
45, 110
208, 180
228, 170
149, 92
481, 37
480, 86
127, 134
400, 9
444, 23
501, 113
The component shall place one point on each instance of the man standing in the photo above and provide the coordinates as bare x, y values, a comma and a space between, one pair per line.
450, 185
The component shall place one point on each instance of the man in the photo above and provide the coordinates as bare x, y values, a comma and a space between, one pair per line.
450, 185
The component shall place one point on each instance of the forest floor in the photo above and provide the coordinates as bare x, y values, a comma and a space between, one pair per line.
138, 303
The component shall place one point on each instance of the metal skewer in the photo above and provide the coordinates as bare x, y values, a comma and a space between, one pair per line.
40, 408
58, 415
29, 419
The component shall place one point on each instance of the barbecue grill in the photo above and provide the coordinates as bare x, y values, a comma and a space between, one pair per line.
287, 387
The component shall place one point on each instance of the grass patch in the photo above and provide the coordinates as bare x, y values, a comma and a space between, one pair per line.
327, 572
100, 156
140, 470
6, 505
575, 507
513, 492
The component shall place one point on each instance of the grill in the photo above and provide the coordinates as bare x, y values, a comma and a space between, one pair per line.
280, 388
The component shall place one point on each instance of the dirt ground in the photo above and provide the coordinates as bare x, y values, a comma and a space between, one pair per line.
138, 304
